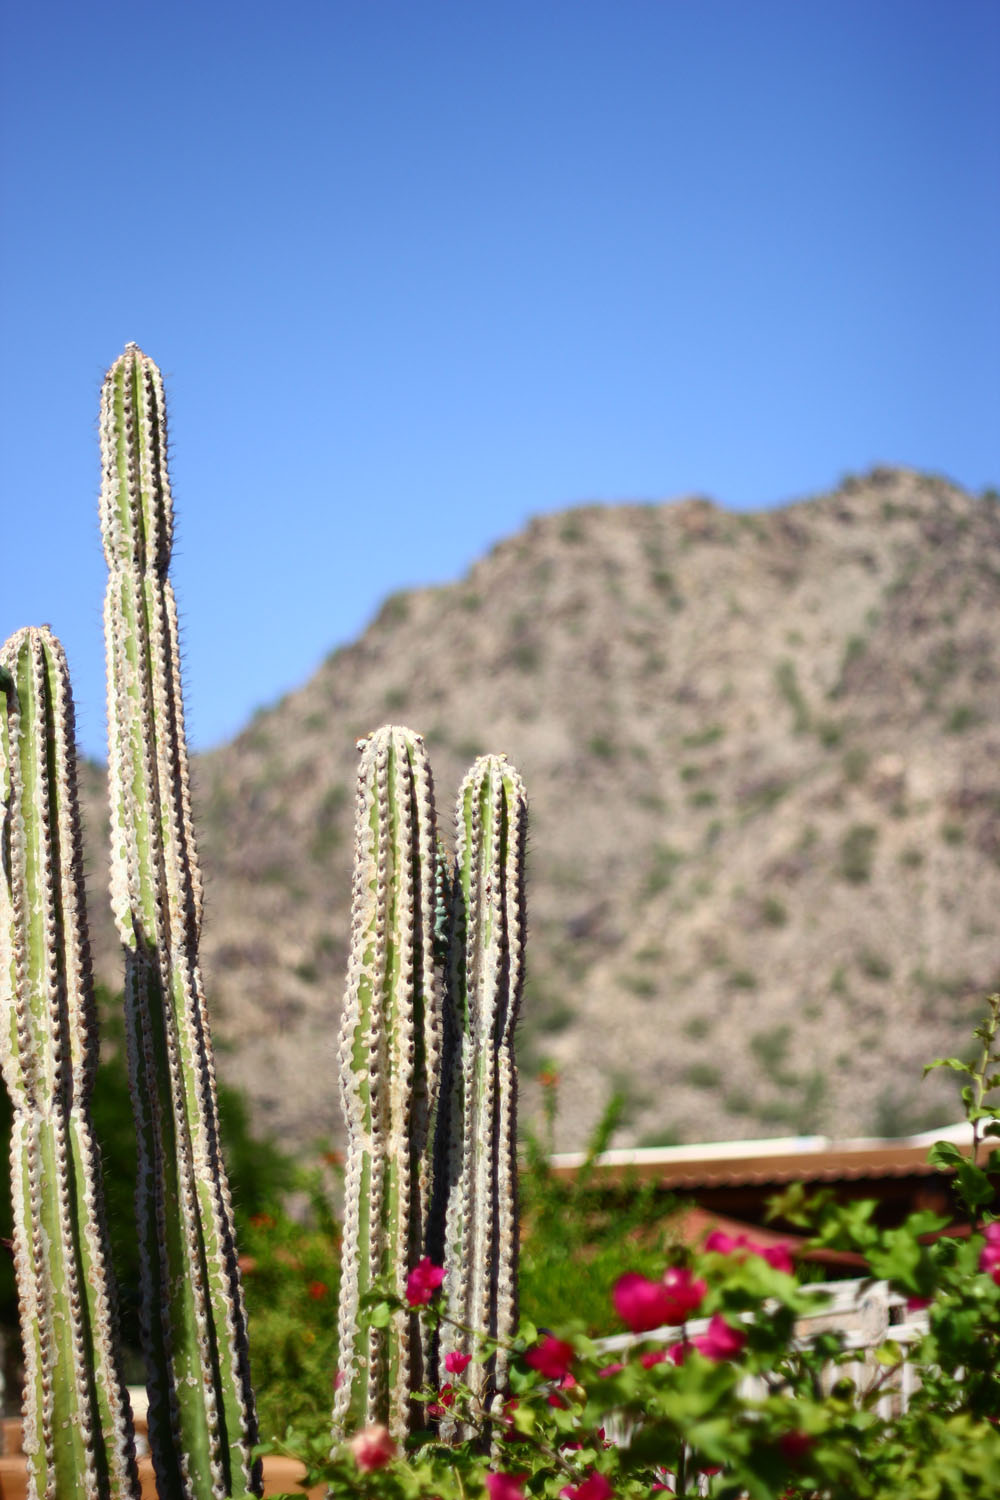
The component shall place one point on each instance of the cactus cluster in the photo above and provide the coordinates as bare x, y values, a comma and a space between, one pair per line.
426, 1052
428, 1077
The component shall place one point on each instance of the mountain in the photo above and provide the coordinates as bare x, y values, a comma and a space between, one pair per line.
762, 753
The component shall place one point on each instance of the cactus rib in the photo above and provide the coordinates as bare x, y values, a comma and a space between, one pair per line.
201, 1413
389, 1062
77, 1423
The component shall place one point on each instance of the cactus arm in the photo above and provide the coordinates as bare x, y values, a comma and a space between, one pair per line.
390, 1046
202, 1423
485, 982
78, 1431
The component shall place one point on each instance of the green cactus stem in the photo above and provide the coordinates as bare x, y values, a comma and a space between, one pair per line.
389, 1062
485, 981
201, 1414
77, 1423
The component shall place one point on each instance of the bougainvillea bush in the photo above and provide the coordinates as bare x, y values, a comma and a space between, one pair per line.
738, 1405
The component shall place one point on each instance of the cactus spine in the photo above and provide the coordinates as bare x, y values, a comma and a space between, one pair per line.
201, 1414
77, 1422
389, 1064
485, 980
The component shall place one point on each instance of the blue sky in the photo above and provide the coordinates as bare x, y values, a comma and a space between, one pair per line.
417, 270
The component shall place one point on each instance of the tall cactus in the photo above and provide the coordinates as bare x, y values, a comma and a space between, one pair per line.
389, 1064
485, 980
201, 1416
77, 1422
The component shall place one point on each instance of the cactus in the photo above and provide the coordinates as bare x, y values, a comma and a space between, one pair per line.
485, 980
201, 1415
77, 1423
389, 1066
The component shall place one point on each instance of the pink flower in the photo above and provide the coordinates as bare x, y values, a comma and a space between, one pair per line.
917, 1304
455, 1363
654, 1357
551, 1358
795, 1445
779, 1256
372, 1448
610, 1370
721, 1341
594, 1487
678, 1353
446, 1398
989, 1261
724, 1244
641, 1303
506, 1486
685, 1291
422, 1282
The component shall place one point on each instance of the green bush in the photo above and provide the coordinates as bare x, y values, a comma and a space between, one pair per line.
857, 853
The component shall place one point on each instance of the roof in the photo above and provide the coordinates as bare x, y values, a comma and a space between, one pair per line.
809, 1158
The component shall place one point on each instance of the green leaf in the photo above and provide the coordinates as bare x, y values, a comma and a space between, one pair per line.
955, 1063
945, 1154
974, 1184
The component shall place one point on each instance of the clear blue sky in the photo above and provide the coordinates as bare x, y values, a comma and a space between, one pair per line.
417, 270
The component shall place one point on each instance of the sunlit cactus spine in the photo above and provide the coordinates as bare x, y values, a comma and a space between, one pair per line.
201, 1415
77, 1423
479, 1116
390, 1046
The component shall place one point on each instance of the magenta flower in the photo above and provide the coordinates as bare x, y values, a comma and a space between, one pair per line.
446, 1398
551, 1358
724, 1244
779, 1256
372, 1448
456, 1363
640, 1303
594, 1487
989, 1261
721, 1341
685, 1292
654, 1357
795, 1445
506, 1486
423, 1281
610, 1370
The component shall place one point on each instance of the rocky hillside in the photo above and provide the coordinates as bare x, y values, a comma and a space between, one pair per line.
763, 758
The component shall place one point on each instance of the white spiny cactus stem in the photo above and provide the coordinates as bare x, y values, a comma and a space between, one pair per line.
390, 1045
201, 1413
77, 1423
